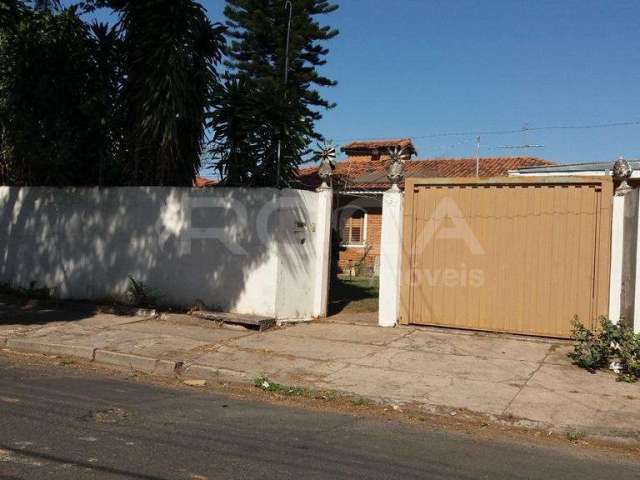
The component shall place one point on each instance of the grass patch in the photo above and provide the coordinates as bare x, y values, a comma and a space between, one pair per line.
575, 436
356, 295
264, 383
360, 402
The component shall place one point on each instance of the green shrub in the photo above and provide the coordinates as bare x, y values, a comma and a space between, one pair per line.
33, 291
141, 295
629, 353
609, 344
591, 350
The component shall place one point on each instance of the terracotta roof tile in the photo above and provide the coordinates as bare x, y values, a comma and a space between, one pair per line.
367, 145
201, 182
372, 175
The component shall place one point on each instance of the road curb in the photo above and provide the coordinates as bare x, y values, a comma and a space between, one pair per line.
31, 345
165, 368
136, 362
212, 373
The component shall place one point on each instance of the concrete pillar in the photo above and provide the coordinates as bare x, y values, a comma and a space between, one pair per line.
617, 243
390, 258
631, 268
323, 251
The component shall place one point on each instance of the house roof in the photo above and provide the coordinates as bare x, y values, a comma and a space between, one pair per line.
368, 145
372, 175
201, 182
603, 167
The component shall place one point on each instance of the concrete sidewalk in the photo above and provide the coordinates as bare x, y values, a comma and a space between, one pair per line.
521, 381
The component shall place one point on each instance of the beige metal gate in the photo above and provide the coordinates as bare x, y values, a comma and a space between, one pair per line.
518, 254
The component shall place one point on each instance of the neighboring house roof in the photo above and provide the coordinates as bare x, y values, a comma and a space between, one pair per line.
372, 174
201, 182
385, 144
592, 167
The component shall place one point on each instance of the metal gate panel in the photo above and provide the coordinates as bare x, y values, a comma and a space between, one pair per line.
519, 255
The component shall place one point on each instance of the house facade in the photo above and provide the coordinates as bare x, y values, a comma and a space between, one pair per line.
360, 180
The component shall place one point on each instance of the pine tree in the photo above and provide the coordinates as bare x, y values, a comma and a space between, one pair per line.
46, 5
257, 32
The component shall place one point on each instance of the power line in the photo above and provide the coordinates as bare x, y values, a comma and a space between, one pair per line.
522, 129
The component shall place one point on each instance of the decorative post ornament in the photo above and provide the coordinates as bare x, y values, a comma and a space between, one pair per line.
621, 173
395, 173
326, 153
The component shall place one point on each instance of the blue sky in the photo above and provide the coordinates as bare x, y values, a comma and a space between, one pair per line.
419, 68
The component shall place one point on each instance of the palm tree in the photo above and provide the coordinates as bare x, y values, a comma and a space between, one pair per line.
47, 5
170, 51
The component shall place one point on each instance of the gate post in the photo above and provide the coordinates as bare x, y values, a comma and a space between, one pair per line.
390, 257
323, 234
622, 238
617, 241
630, 302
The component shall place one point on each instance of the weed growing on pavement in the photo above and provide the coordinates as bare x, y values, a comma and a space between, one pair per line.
574, 436
264, 383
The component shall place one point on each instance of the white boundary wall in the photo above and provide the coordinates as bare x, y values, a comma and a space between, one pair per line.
255, 251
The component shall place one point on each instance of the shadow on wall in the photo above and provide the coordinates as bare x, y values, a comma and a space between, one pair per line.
225, 247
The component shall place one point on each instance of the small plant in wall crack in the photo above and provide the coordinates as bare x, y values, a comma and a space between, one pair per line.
141, 295
610, 345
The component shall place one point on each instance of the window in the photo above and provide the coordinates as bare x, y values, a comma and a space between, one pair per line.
353, 232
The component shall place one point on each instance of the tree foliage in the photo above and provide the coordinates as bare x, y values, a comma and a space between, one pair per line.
46, 4
88, 104
171, 49
268, 110
52, 113
92, 104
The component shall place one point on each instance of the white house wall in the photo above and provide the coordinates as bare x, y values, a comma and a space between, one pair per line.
297, 253
230, 248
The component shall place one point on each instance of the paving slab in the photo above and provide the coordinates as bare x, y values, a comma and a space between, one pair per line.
478, 345
579, 411
300, 347
569, 378
210, 334
256, 363
386, 385
422, 388
108, 320
496, 370
156, 346
491, 374
559, 355
136, 362
22, 344
347, 333
475, 395
11, 330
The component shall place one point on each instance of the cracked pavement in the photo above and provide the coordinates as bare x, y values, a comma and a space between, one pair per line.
73, 423
523, 380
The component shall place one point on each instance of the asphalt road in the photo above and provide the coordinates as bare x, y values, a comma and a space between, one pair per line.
65, 423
